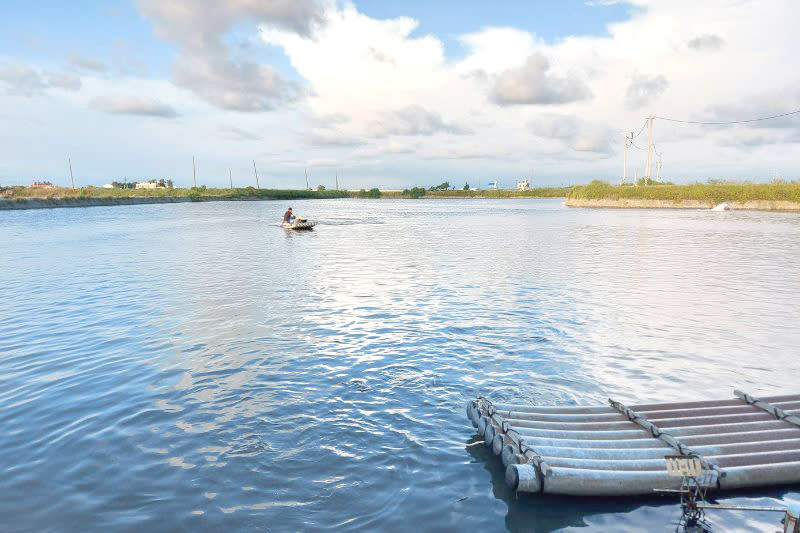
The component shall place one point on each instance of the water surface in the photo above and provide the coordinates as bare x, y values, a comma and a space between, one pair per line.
194, 366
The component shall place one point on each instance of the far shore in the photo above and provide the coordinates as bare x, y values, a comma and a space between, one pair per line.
44, 198
776, 196
644, 203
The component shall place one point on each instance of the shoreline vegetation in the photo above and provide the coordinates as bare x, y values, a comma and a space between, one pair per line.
40, 198
775, 196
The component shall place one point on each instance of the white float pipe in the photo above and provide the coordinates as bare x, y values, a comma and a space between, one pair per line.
623, 444
725, 428
763, 458
739, 477
509, 455
576, 410
561, 417
582, 435
604, 454
714, 420
579, 482
572, 426
623, 465
747, 436
748, 448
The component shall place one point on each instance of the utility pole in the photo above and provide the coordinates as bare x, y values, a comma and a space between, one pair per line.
194, 174
71, 177
625, 161
337, 181
658, 168
649, 149
230, 177
255, 171
306, 170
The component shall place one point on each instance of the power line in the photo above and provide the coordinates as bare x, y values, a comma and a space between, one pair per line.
732, 121
638, 147
640, 131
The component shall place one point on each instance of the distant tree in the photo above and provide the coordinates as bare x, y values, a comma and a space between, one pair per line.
441, 187
169, 184
415, 192
162, 183
321, 188
374, 193
466, 186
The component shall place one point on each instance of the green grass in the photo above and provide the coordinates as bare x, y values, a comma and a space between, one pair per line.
199, 193
712, 192
417, 192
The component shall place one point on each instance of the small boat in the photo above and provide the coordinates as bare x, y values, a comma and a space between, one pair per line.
298, 223
721, 207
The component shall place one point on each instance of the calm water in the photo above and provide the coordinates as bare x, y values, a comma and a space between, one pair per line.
196, 367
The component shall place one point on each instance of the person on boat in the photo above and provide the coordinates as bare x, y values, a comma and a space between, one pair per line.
287, 216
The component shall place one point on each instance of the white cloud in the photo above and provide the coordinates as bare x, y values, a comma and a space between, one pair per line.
533, 83
706, 42
208, 67
412, 120
23, 80
134, 105
239, 134
86, 63
644, 90
366, 69
381, 98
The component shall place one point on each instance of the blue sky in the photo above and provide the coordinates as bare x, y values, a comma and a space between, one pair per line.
391, 94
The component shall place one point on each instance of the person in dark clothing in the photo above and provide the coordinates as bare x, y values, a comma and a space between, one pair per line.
287, 216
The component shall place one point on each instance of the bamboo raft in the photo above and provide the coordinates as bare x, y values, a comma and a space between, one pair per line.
617, 450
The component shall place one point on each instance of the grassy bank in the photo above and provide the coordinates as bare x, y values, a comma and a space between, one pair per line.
54, 197
199, 193
545, 192
705, 193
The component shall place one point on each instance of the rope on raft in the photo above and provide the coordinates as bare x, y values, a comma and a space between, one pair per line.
777, 412
670, 440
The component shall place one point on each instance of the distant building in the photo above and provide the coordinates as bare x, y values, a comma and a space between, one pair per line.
523, 185
149, 185
108, 186
492, 185
42, 185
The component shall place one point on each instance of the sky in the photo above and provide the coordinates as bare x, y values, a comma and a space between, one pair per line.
395, 94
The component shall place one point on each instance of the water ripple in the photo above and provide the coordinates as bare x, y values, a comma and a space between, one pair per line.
192, 366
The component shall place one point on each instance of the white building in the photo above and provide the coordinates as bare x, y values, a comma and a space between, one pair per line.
523, 185
108, 186
147, 185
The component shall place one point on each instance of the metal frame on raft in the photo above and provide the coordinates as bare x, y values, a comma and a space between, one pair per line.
617, 450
